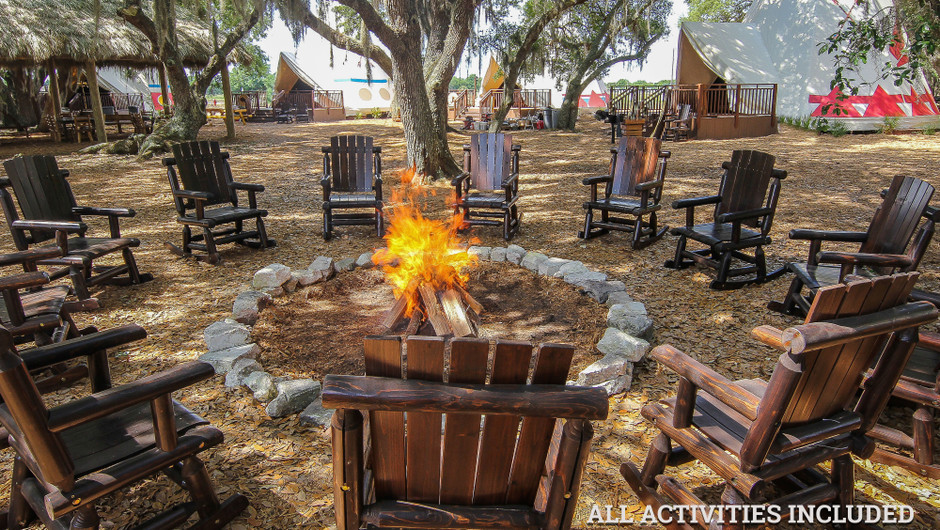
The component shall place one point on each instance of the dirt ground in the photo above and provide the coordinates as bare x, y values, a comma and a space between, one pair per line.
284, 467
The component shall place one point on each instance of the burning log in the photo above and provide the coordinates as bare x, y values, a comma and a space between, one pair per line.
442, 313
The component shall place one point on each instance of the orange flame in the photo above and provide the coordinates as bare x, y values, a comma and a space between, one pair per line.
420, 250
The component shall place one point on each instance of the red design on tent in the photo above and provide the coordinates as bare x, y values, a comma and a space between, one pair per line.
157, 99
840, 106
884, 104
922, 104
897, 48
596, 99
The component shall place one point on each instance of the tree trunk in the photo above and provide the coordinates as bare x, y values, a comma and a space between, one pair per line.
227, 94
91, 75
568, 113
189, 115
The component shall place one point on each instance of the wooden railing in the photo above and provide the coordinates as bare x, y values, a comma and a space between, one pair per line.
119, 101
533, 98
706, 100
464, 99
301, 100
635, 101
251, 101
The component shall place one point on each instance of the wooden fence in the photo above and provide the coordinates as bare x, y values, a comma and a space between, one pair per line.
523, 98
301, 100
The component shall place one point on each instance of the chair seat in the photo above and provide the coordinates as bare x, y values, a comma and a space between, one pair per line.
352, 200
922, 367
628, 205
98, 444
41, 308
222, 215
486, 200
90, 248
714, 233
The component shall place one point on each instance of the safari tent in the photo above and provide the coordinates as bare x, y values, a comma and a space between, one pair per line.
295, 89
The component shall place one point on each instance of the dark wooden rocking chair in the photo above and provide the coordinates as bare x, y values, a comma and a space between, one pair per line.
634, 187
754, 433
200, 176
70, 456
352, 180
50, 212
680, 125
491, 167
425, 479
882, 249
747, 195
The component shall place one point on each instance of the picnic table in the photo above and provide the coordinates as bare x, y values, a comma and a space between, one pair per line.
219, 113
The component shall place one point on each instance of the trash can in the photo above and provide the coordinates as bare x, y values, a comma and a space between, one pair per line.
550, 116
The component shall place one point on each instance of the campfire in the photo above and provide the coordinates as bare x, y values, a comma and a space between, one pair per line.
426, 263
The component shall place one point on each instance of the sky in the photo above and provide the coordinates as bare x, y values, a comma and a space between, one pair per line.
313, 54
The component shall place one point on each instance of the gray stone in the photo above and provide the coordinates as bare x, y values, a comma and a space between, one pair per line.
570, 268
619, 297
619, 343
531, 260
630, 318
620, 384
515, 253
262, 384
611, 366
222, 360
575, 278
482, 253
346, 264
226, 334
274, 292
274, 275
305, 277
550, 266
498, 254
364, 261
292, 397
322, 268
315, 414
248, 305
600, 290
240, 370
290, 285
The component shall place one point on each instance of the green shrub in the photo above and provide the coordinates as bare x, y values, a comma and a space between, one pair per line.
890, 125
838, 128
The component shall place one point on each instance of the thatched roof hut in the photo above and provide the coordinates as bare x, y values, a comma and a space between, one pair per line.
36, 31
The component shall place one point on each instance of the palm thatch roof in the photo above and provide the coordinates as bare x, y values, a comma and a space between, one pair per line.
35, 31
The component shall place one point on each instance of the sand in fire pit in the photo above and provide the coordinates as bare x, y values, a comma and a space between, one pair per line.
319, 330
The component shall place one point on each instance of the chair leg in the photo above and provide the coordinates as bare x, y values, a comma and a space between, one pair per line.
656, 460
85, 518
677, 262
588, 219
80, 288
200, 488
211, 250
923, 435
760, 261
131, 263
262, 233
723, 269
187, 239
731, 497
20, 512
843, 475
327, 224
506, 222
379, 222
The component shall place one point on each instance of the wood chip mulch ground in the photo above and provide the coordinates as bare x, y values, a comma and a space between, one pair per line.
284, 467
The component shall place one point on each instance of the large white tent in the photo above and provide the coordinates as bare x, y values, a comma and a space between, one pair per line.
778, 43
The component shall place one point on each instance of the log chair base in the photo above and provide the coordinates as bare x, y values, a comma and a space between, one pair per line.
647, 234
709, 258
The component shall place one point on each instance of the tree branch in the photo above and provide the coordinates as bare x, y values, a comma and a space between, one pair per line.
373, 21
344, 42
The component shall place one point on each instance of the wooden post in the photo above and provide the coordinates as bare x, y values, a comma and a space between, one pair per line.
164, 91
227, 94
56, 102
737, 104
773, 106
91, 75
701, 107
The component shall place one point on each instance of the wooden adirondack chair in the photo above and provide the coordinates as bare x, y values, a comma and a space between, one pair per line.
352, 180
754, 433
680, 125
200, 176
919, 388
50, 212
491, 167
882, 249
425, 479
747, 195
70, 456
634, 187
33, 310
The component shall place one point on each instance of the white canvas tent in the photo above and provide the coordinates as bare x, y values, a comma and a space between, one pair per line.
778, 43
595, 95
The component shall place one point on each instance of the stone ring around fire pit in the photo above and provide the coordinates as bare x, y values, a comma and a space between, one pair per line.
232, 353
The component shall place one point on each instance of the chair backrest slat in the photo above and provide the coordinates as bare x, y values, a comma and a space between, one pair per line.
423, 467
202, 167
351, 161
41, 191
831, 375
490, 160
745, 181
896, 219
462, 431
383, 359
637, 158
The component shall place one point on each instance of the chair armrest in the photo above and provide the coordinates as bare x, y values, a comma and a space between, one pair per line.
599, 179
770, 336
31, 255
509, 182
5, 182
708, 380
696, 201
929, 340
779, 174
458, 180
194, 195
24, 280
862, 258
169, 161
92, 210
828, 235
67, 226
665, 154
515, 147
246, 186
118, 398
81, 346
653, 184
731, 217
392, 394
